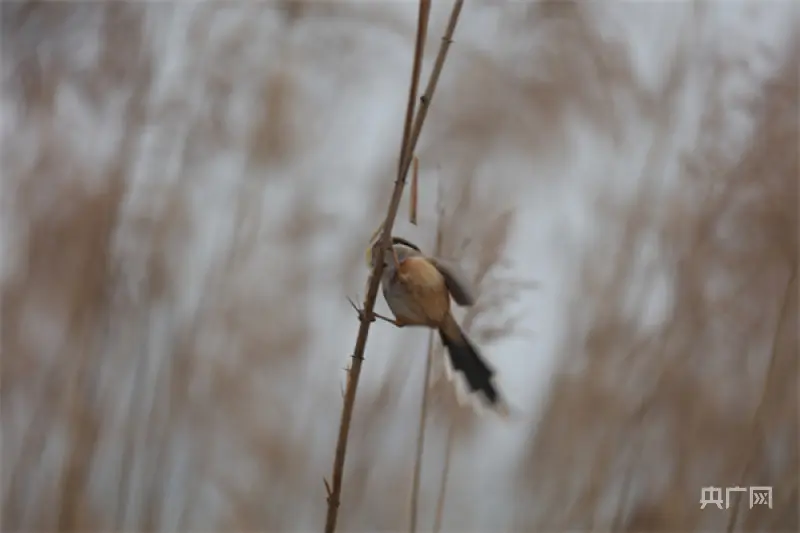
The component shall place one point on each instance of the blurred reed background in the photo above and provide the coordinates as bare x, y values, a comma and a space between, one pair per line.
187, 193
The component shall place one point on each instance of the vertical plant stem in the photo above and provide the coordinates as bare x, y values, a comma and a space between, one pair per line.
366, 315
448, 452
619, 516
423, 413
412, 211
407, 151
469, 320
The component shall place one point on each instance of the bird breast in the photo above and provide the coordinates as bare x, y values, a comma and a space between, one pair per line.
417, 292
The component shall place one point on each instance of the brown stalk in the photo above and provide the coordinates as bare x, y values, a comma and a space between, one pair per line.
457, 232
448, 453
366, 315
423, 416
412, 217
423, 413
469, 319
472, 314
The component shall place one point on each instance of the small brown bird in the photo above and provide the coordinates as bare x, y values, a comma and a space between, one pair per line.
418, 290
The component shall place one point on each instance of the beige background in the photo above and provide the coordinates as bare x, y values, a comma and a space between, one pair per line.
188, 190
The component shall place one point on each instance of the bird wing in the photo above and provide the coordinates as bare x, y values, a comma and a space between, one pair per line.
455, 280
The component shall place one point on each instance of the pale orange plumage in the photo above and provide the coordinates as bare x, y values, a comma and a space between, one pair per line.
417, 290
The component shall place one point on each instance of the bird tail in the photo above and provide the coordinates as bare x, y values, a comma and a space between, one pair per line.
472, 375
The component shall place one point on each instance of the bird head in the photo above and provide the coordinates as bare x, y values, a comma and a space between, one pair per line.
375, 242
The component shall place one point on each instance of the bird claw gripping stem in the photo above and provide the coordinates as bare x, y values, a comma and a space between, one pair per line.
362, 315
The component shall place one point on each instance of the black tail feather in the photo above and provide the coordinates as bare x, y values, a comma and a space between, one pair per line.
464, 358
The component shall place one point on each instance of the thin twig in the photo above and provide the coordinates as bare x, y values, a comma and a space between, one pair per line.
425, 100
423, 414
448, 452
466, 326
627, 482
419, 51
367, 316
412, 217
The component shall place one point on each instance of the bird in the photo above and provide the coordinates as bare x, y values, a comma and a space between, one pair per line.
418, 289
